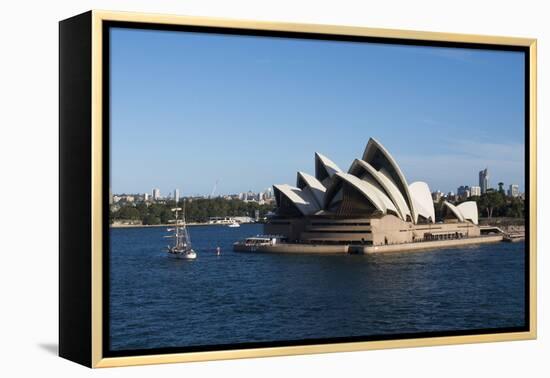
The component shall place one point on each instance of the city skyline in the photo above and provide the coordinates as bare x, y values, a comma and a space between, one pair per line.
274, 102
510, 188
478, 187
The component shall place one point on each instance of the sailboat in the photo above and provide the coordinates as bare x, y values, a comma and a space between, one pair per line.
181, 249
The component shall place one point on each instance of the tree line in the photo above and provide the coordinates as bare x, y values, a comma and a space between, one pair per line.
196, 210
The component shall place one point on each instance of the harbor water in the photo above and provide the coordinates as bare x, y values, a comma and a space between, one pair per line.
238, 297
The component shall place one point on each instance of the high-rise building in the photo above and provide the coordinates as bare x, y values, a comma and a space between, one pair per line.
156, 194
475, 191
176, 195
484, 180
463, 191
146, 196
513, 191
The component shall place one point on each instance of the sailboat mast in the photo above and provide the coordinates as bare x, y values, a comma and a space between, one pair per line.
176, 226
185, 233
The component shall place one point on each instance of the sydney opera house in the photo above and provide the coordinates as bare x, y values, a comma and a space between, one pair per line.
371, 204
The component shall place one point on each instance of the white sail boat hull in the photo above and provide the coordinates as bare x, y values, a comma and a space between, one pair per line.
184, 255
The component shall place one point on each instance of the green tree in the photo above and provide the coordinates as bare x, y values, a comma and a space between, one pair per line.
128, 213
150, 220
490, 201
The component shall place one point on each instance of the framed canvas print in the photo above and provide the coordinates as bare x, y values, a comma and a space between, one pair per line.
235, 189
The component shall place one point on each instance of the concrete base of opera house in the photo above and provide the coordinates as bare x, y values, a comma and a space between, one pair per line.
360, 249
433, 244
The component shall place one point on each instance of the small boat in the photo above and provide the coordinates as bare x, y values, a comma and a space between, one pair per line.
255, 243
514, 237
234, 224
181, 249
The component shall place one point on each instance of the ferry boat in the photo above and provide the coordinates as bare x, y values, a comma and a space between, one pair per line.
234, 224
181, 249
252, 244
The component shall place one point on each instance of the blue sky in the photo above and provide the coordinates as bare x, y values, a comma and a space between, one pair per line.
191, 109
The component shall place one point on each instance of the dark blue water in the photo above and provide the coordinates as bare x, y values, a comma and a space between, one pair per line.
240, 297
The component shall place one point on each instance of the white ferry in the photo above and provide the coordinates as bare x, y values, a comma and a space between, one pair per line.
253, 243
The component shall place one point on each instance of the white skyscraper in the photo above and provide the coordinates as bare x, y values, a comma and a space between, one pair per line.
176, 195
156, 194
146, 196
475, 191
513, 191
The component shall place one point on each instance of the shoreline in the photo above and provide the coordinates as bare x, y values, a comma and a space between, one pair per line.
119, 225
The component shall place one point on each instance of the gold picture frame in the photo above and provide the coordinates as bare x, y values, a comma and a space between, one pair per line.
89, 328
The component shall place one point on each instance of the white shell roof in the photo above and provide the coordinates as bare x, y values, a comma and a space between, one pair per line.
380, 180
422, 200
469, 211
370, 191
455, 210
303, 200
372, 146
329, 165
389, 187
465, 211
312, 184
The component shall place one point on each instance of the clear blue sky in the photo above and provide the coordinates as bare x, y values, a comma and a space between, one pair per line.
189, 109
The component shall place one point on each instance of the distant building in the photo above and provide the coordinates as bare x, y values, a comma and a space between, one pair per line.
156, 194
484, 180
450, 196
146, 196
243, 219
463, 191
513, 191
437, 195
269, 200
475, 191
176, 195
